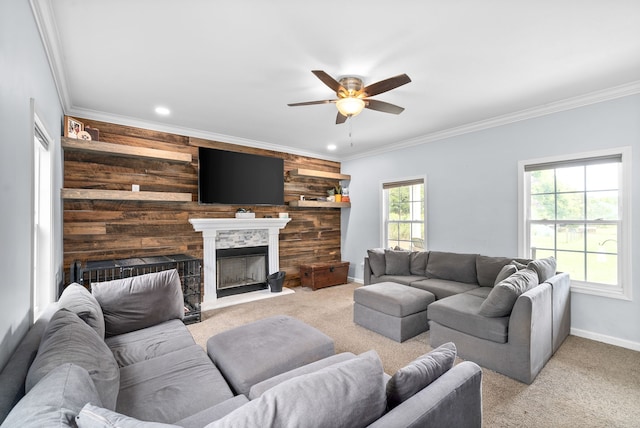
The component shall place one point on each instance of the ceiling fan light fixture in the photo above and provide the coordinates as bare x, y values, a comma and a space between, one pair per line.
350, 106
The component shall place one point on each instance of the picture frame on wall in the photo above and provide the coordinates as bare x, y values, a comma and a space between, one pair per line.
72, 127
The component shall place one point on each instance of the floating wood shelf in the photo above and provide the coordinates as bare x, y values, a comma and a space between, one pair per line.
71, 144
125, 195
319, 204
318, 174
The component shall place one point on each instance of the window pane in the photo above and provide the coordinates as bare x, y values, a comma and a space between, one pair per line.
543, 207
570, 179
572, 263
542, 181
541, 254
570, 206
417, 209
542, 236
602, 205
602, 238
603, 177
571, 237
405, 231
392, 231
602, 268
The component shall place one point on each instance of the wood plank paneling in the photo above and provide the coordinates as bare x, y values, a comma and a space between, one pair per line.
112, 229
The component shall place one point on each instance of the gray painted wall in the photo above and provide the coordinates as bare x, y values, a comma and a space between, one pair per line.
472, 196
24, 75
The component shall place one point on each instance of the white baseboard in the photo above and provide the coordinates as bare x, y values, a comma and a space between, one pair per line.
623, 343
356, 280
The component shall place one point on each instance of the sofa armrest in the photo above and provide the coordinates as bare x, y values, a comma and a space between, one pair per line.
366, 275
561, 302
452, 400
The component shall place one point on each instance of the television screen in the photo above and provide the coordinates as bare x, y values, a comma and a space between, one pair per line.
239, 178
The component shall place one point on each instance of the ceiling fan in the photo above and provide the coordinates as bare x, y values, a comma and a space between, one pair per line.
353, 96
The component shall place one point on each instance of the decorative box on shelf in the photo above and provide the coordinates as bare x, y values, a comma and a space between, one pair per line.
245, 215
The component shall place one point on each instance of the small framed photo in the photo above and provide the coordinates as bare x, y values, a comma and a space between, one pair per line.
72, 127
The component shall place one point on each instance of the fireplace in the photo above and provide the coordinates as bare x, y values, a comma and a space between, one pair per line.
240, 270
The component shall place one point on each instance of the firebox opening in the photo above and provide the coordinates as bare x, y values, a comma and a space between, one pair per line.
240, 270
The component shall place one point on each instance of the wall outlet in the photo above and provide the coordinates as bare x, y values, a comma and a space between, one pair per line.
135, 187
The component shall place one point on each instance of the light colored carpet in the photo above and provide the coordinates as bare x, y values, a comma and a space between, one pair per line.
585, 384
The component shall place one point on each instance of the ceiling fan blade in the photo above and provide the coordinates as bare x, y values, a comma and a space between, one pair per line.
340, 118
309, 103
383, 106
328, 80
386, 85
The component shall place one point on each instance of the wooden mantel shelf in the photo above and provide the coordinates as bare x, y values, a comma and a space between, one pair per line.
319, 204
124, 195
71, 144
318, 174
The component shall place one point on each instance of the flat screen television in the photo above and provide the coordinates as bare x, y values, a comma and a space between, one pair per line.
234, 178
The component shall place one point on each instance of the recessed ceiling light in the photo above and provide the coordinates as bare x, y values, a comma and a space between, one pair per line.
331, 147
163, 111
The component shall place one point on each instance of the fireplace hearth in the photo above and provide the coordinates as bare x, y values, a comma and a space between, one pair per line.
241, 270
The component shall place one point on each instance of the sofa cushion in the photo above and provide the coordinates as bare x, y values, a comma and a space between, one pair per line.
140, 301
79, 300
171, 387
150, 342
377, 261
418, 262
488, 267
96, 417
505, 272
213, 413
398, 279
545, 268
419, 373
442, 288
480, 291
68, 339
460, 312
452, 266
500, 301
55, 400
346, 394
397, 262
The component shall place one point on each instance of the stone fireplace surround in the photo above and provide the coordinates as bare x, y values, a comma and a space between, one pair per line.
235, 233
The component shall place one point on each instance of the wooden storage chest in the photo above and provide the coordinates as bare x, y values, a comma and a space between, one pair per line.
325, 274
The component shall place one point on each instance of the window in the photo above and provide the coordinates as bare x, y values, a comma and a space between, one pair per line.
577, 210
42, 283
403, 214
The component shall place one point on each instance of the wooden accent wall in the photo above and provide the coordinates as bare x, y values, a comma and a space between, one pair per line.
104, 230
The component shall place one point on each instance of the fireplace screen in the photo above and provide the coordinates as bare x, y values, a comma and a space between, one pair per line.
240, 270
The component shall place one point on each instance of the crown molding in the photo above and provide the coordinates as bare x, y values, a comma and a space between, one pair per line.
44, 17
543, 110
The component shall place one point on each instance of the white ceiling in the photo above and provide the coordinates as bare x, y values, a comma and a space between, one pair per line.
227, 70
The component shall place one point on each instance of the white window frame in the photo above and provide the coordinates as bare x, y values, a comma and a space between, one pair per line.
384, 208
623, 290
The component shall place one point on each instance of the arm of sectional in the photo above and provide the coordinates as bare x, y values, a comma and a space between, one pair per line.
366, 275
561, 301
452, 400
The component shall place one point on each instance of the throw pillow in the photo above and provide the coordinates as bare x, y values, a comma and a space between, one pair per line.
503, 296
545, 268
140, 301
377, 262
68, 339
418, 262
420, 373
346, 394
55, 400
505, 272
79, 300
518, 264
96, 417
397, 262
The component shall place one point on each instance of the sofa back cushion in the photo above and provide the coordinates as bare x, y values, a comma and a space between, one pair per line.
346, 394
452, 266
418, 262
55, 400
68, 339
545, 268
377, 261
140, 301
418, 374
397, 262
79, 300
503, 296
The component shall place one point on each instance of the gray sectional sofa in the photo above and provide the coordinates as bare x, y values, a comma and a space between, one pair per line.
121, 356
509, 315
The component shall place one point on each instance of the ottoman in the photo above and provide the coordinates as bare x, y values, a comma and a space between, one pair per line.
393, 310
251, 353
